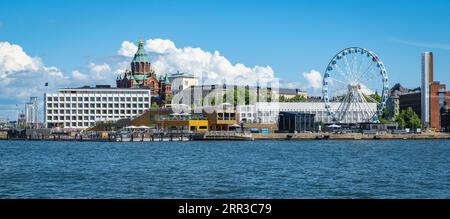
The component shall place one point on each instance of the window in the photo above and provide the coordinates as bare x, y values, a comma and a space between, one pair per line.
128, 98
49, 117
74, 124
80, 105
116, 111
134, 98
49, 112
80, 111
116, 105
92, 105
146, 99
86, 105
86, 111
86, 99
128, 105
67, 117
74, 105
98, 112
134, 111
49, 99
128, 111
99, 99
67, 98
141, 105
67, 111
49, 105
98, 105
134, 105
61, 111
104, 105
80, 118
92, 98
55, 98
80, 98
86, 124
74, 111
92, 111
110, 111
110, 105
110, 99
61, 99
103, 111
92, 117
116, 99
86, 118
146, 105
104, 99
122, 99
140, 99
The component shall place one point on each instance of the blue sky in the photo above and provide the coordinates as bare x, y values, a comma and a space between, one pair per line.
291, 37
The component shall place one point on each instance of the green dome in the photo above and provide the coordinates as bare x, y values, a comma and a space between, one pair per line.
141, 55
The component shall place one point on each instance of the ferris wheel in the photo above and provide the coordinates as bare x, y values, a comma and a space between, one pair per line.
355, 86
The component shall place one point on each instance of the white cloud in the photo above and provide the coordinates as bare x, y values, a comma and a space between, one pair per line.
314, 79
212, 67
128, 49
77, 75
160, 46
13, 59
100, 72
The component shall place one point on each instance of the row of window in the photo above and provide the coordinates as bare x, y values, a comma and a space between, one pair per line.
86, 117
98, 105
104, 99
93, 112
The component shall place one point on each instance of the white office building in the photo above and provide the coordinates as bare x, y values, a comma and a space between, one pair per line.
181, 81
80, 108
268, 112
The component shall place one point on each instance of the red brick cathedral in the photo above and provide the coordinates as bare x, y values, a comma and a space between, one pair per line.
143, 76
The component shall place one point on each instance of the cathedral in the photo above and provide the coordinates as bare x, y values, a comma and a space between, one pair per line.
143, 76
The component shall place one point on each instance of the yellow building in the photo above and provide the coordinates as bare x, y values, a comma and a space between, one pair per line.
221, 120
184, 125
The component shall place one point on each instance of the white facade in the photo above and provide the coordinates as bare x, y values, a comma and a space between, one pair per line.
182, 81
80, 108
427, 78
32, 111
268, 112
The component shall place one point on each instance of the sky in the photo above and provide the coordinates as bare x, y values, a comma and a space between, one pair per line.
73, 43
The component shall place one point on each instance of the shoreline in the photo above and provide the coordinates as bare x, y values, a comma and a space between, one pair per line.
260, 137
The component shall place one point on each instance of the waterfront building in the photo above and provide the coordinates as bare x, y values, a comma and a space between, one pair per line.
296, 122
393, 102
411, 100
268, 112
427, 79
183, 123
32, 112
181, 81
81, 108
221, 118
142, 75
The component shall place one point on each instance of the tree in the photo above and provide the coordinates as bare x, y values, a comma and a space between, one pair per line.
298, 98
408, 119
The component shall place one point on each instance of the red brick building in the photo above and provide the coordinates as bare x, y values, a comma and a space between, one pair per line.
143, 76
